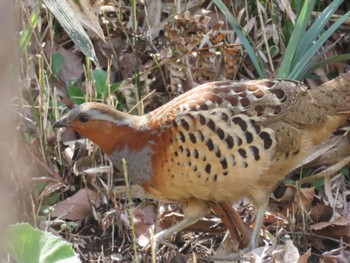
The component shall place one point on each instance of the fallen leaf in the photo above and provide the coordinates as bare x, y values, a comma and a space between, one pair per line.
76, 207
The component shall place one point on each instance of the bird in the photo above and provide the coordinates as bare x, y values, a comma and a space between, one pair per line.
218, 142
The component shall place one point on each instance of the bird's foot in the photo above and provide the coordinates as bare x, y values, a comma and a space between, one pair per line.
243, 255
246, 255
160, 239
157, 239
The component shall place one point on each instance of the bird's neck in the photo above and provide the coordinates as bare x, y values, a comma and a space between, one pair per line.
130, 139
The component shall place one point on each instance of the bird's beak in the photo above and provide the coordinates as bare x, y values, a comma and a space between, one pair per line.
61, 123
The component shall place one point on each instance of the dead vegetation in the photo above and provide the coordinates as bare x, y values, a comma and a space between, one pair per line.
153, 52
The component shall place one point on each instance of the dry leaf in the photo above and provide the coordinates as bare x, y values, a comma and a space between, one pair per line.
76, 207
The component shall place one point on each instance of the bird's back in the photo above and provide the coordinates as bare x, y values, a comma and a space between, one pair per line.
225, 140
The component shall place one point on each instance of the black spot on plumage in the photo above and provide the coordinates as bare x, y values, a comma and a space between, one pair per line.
243, 153
187, 152
225, 173
269, 84
296, 152
211, 125
256, 127
286, 155
215, 98
239, 141
195, 168
175, 124
277, 110
208, 168
202, 119
224, 116
229, 141
248, 137
232, 159
203, 106
185, 125
280, 94
224, 163
181, 149
244, 165
195, 154
238, 88
259, 110
220, 132
192, 137
215, 177
204, 158
255, 151
210, 144
218, 153
182, 137
240, 122
267, 140
200, 135
245, 102
176, 154
233, 100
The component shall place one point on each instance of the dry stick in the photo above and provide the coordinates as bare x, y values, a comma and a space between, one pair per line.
328, 172
142, 100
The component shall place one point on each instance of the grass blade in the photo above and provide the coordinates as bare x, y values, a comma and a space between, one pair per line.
251, 49
296, 72
297, 34
315, 29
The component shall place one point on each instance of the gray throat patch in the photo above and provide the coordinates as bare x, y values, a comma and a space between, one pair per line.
139, 164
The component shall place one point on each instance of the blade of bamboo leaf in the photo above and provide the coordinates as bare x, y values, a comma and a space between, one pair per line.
327, 61
317, 26
252, 52
297, 34
308, 55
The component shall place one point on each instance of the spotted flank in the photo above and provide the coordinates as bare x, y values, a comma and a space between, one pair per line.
213, 149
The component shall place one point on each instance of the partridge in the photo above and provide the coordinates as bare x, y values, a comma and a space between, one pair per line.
220, 141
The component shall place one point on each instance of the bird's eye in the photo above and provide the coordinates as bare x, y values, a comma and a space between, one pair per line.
83, 118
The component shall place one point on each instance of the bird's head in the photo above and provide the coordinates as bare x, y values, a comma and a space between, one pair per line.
102, 124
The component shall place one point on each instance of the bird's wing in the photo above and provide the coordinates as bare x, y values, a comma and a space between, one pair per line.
266, 101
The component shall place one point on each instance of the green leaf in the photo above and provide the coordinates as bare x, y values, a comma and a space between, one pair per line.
300, 65
287, 181
346, 172
315, 29
72, 25
300, 26
28, 32
113, 87
57, 63
100, 78
76, 95
243, 37
318, 183
28, 245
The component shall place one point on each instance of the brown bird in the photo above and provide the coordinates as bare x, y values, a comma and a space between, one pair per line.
220, 141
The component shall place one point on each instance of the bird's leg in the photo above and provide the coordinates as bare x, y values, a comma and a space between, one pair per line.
194, 211
259, 220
